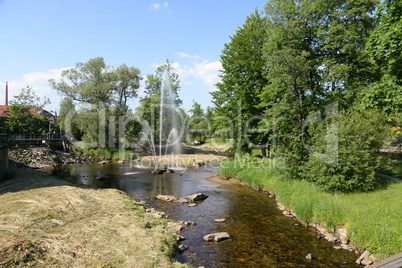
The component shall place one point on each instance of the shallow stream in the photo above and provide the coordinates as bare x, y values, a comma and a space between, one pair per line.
261, 235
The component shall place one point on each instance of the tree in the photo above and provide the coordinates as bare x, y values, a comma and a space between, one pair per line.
23, 114
25, 120
102, 92
94, 82
314, 56
149, 110
126, 84
243, 79
198, 124
28, 98
385, 49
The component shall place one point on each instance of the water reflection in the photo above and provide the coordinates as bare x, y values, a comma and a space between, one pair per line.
262, 236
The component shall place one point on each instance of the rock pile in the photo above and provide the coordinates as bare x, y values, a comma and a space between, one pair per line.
42, 157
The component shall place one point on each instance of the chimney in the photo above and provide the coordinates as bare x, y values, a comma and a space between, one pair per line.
6, 93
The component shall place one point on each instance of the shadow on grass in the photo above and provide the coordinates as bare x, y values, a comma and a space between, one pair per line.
25, 178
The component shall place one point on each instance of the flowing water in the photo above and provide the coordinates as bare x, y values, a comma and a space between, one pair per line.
261, 235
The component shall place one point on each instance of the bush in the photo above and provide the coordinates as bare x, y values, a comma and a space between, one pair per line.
360, 136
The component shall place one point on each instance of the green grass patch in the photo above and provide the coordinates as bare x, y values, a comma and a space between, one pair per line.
373, 219
108, 153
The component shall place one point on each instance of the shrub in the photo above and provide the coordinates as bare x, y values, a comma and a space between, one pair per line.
360, 137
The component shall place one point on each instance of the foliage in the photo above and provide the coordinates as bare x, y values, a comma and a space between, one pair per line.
150, 104
25, 120
28, 98
242, 80
385, 48
199, 125
360, 138
95, 108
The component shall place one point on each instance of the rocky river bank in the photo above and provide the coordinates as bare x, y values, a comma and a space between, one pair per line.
43, 157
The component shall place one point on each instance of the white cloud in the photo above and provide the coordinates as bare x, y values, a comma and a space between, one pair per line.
187, 56
39, 83
206, 71
158, 5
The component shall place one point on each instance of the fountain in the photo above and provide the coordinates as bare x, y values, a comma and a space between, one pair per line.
168, 137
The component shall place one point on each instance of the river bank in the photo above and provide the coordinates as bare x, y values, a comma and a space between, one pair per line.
49, 222
364, 222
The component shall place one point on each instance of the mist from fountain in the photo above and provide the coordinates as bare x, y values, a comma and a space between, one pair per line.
168, 124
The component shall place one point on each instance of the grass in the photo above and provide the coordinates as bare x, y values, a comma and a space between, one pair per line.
107, 153
48, 222
373, 220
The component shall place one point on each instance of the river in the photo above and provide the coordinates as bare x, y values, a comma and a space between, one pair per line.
261, 235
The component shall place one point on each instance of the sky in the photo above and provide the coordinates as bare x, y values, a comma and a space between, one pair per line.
39, 39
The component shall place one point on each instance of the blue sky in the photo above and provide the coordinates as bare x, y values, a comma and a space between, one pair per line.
41, 38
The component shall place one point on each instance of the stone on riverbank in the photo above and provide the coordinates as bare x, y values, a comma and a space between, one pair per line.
217, 237
167, 198
197, 197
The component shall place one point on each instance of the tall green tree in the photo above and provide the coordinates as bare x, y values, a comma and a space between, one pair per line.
385, 49
243, 79
101, 93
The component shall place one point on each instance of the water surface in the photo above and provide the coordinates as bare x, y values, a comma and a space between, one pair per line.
261, 235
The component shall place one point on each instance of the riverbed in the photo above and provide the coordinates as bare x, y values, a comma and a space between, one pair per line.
261, 235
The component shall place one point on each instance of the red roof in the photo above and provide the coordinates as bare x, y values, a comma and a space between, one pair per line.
3, 110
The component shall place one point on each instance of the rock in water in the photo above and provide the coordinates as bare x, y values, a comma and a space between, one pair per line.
167, 198
216, 237
197, 197
219, 220
99, 175
309, 256
182, 248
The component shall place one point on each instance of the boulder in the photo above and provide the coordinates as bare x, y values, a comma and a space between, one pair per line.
197, 197
331, 238
159, 214
100, 175
309, 256
104, 162
181, 248
180, 238
219, 220
182, 200
167, 198
216, 237
362, 257
192, 205
120, 162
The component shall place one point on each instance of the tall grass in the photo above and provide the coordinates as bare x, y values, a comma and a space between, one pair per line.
373, 219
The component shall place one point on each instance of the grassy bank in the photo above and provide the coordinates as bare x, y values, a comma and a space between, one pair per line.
373, 220
47, 222
107, 153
